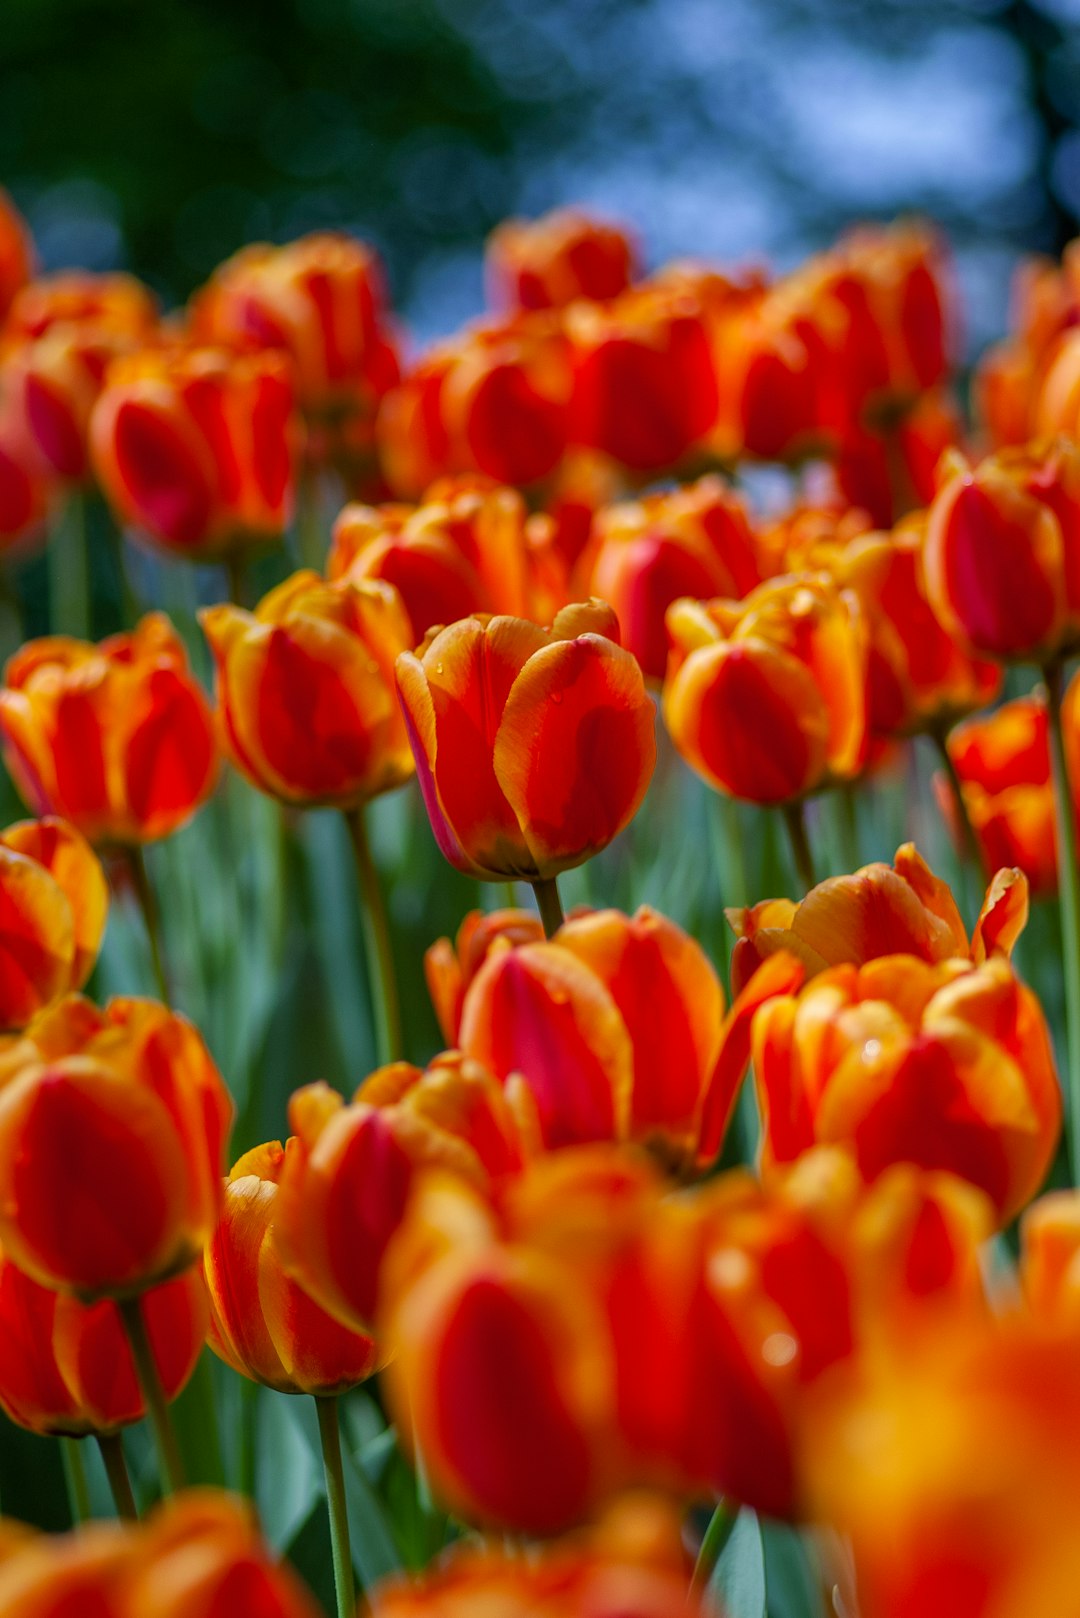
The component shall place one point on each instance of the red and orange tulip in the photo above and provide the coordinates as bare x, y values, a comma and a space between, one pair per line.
534, 747
766, 698
16, 253
261, 1322
112, 1131
117, 738
66, 1368
947, 1066
305, 688
450, 968
549, 262
196, 448
53, 904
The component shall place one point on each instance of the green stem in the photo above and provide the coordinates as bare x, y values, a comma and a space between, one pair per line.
1069, 891
144, 892
129, 601
311, 545
377, 944
972, 851
546, 889
111, 1449
157, 1406
734, 852
330, 1435
719, 1531
75, 1477
510, 895
69, 573
795, 821
236, 574
847, 815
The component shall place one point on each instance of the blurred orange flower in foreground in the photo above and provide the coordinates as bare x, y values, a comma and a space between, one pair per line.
549, 262
53, 904
118, 738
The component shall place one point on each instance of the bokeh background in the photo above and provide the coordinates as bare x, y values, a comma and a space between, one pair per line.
160, 137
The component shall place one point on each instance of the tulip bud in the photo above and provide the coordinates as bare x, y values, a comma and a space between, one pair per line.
112, 1129
534, 747
117, 738
549, 262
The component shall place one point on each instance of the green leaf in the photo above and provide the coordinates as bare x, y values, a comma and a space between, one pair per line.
791, 1574
737, 1587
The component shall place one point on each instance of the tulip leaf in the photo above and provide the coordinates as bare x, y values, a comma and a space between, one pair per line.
792, 1576
737, 1587
289, 1472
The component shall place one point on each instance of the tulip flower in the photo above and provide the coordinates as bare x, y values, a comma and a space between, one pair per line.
550, 262
262, 1323
533, 746
319, 301
645, 382
25, 487
66, 1368
195, 448
1050, 1259
898, 909
631, 1565
463, 550
305, 689
1002, 760
117, 738
61, 333
449, 968
53, 903
947, 1066
112, 1129
644, 555
766, 698
346, 1181
50, 1576
16, 252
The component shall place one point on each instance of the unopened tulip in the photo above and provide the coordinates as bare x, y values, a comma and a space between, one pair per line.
898, 909
346, 1183
1002, 554
462, 550
112, 1130
947, 1066
643, 555
552, 261
261, 1322
533, 746
53, 902
66, 1368
766, 698
195, 448
117, 738
305, 689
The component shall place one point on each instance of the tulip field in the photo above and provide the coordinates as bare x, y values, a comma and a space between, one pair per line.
539, 939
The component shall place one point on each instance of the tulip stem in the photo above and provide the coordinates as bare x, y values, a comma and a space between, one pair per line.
377, 944
719, 1531
111, 1449
236, 575
330, 1435
795, 821
157, 1406
69, 574
1069, 891
546, 889
963, 819
75, 1478
311, 545
144, 892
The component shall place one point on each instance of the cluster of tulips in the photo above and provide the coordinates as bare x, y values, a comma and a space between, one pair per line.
610, 1349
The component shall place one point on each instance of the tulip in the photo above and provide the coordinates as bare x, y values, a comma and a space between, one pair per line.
449, 968
766, 698
631, 1565
52, 1576
346, 1181
1002, 761
898, 909
1050, 1259
533, 746
112, 1130
117, 738
25, 486
646, 554
53, 903
306, 691
195, 448
550, 262
645, 381
318, 300
947, 1066
262, 1323
60, 336
463, 550
66, 1368
890, 472
16, 253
